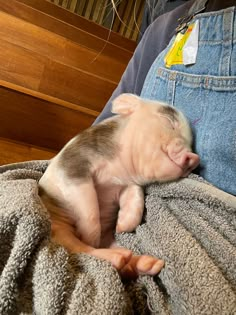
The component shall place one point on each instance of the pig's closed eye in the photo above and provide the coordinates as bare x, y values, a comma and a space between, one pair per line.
164, 148
169, 122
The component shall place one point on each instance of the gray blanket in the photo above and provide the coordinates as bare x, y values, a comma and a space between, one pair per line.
189, 224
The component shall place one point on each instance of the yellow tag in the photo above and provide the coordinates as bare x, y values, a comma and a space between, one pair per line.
175, 55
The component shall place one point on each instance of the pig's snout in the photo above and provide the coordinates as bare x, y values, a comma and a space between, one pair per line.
188, 162
182, 157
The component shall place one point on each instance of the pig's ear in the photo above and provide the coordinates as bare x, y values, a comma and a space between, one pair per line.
125, 104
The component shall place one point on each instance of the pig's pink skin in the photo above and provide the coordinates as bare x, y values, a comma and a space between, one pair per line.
152, 151
157, 152
151, 148
130, 200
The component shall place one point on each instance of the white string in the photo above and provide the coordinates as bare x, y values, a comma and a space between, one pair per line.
135, 21
115, 12
108, 37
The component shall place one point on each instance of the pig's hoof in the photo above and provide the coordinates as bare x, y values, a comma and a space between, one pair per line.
142, 265
118, 257
119, 228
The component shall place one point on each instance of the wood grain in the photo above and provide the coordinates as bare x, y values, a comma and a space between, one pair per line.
75, 86
38, 41
37, 122
56, 75
59, 21
45, 62
20, 66
13, 152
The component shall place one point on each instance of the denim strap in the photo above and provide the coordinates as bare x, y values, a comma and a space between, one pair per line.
228, 38
198, 6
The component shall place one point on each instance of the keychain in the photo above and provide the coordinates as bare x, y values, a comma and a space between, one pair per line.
185, 46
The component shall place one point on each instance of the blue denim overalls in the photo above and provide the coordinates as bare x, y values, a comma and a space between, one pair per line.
206, 93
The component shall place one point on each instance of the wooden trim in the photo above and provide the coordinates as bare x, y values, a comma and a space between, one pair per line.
48, 98
37, 122
15, 152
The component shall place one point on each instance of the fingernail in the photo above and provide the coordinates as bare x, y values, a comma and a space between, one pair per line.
158, 266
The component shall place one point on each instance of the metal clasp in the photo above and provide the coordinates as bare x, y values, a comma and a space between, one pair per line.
184, 21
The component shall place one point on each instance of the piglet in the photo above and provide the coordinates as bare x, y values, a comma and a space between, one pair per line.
98, 176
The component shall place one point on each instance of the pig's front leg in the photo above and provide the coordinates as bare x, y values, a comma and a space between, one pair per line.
131, 208
82, 200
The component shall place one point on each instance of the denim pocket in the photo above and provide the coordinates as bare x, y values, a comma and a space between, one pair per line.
209, 103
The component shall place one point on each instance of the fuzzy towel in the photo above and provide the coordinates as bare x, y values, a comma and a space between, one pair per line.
189, 224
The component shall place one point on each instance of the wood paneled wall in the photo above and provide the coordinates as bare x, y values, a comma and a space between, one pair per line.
57, 72
125, 18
